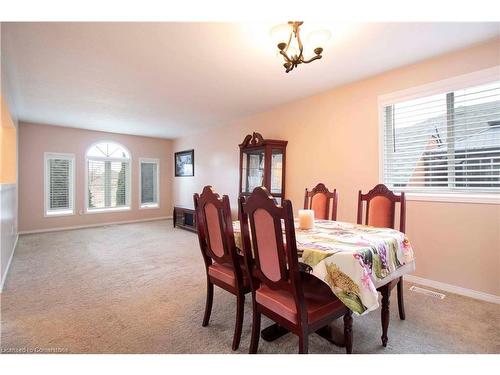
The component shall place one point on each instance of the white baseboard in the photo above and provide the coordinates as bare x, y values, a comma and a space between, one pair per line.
93, 225
453, 289
4, 276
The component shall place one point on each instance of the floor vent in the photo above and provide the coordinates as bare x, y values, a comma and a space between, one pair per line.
427, 292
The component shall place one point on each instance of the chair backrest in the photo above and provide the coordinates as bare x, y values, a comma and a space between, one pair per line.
275, 261
318, 199
215, 227
381, 208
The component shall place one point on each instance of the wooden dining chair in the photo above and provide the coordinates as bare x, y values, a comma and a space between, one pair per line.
297, 301
381, 212
318, 199
224, 267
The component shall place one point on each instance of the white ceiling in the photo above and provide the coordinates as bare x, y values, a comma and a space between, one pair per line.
173, 79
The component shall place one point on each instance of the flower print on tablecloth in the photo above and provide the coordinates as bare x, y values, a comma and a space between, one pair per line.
347, 277
345, 288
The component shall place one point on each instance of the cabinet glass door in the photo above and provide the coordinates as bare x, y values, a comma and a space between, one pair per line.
276, 171
252, 170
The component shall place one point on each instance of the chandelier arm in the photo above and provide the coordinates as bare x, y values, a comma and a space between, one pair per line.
299, 42
289, 41
311, 59
285, 56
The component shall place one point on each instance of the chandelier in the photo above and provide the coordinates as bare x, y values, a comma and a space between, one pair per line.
293, 50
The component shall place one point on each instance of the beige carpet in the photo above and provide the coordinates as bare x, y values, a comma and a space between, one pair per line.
140, 288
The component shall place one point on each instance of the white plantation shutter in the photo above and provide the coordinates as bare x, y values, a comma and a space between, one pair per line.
108, 177
149, 183
107, 184
59, 177
448, 142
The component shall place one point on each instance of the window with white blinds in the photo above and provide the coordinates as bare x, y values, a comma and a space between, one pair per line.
108, 177
149, 183
447, 142
59, 184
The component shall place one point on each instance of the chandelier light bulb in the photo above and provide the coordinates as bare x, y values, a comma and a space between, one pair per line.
280, 34
318, 37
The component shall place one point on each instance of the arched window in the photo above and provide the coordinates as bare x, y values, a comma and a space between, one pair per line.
108, 177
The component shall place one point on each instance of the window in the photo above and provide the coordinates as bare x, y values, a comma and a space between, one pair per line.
59, 184
444, 142
149, 183
108, 177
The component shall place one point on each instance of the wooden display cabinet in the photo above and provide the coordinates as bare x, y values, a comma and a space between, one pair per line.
262, 163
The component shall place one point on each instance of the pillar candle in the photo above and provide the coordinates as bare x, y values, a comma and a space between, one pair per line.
306, 219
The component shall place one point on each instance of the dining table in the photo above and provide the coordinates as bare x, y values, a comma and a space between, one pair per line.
356, 261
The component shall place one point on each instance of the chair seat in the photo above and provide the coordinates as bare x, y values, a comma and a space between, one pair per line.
225, 273
319, 299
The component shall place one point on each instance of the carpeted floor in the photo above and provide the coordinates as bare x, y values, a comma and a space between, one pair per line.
140, 288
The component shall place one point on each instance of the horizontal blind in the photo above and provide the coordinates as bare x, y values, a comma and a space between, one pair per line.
108, 184
60, 181
149, 183
446, 142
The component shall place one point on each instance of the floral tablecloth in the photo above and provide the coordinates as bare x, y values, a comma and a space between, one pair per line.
351, 258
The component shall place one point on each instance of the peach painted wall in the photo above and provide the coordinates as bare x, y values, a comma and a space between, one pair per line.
334, 138
36, 139
8, 146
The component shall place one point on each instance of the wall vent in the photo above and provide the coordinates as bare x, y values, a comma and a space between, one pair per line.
427, 292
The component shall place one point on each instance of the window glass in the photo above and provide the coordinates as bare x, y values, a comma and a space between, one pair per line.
108, 177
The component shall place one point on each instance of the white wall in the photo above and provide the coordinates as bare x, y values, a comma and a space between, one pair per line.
8, 233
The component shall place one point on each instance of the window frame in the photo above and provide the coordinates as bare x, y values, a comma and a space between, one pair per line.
148, 206
62, 212
127, 181
476, 78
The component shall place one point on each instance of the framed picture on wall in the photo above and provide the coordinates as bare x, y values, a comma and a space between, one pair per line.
184, 163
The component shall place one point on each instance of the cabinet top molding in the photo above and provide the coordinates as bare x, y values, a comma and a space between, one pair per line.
256, 140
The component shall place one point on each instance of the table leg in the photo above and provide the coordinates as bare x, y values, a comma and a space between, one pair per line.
273, 332
332, 334
386, 292
348, 331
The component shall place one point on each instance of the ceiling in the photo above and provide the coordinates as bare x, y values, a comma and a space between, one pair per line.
174, 79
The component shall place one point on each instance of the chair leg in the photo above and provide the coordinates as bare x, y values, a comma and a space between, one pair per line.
304, 343
240, 303
401, 302
254, 341
208, 305
348, 331
386, 293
